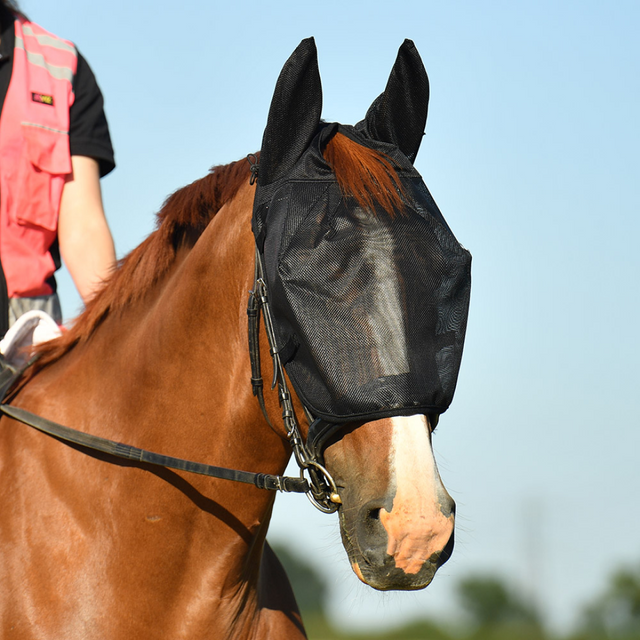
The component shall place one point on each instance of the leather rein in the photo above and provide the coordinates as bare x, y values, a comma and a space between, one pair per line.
320, 488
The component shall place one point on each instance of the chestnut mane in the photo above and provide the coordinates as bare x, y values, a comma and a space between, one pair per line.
363, 174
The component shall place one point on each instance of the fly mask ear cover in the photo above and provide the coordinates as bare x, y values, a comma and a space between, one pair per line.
369, 309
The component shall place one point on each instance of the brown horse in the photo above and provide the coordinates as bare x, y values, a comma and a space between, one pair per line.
96, 547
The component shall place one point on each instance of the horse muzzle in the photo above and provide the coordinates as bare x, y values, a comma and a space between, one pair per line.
396, 518
396, 551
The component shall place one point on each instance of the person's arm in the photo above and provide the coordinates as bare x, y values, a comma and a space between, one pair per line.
86, 245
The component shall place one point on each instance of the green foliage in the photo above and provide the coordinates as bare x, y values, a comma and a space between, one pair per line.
490, 603
419, 630
615, 615
319, 629
309, 587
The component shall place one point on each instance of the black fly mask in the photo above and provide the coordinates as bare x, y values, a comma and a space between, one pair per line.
369, 310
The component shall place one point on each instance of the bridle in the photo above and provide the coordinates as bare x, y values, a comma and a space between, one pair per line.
322, 492
320, 488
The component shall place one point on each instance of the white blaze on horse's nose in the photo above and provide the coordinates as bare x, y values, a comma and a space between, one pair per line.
419, 523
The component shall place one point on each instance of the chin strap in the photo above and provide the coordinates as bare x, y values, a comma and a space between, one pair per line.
323, 492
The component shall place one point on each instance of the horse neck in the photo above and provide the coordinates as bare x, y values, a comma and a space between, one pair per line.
173, 375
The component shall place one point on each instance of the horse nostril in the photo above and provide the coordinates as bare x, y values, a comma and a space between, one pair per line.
371, 524
371, 536
374, 514
371, 532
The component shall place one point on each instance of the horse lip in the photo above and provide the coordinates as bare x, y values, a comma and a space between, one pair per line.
387, 577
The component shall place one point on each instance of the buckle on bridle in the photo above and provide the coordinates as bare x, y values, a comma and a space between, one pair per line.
323, 492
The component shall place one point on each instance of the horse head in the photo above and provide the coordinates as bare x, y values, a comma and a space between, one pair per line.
369, 291
365, 294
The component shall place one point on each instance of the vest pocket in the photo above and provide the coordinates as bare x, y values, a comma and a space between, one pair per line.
43, 167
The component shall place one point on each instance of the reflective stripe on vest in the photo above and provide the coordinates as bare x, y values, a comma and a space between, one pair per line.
34, 156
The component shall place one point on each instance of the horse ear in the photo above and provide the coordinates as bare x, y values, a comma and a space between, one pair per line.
294, 114
398, 116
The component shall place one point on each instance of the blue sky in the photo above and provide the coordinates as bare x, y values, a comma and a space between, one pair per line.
531, 151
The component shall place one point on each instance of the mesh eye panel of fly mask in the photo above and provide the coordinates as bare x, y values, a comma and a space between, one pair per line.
370, 309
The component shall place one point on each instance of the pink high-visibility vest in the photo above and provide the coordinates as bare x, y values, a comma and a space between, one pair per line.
34, 156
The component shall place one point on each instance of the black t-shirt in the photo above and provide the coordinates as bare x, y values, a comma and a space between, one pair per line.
88, 129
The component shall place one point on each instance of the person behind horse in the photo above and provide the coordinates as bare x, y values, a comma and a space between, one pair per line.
54, 148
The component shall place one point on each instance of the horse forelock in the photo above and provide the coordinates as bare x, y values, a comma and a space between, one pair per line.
183, 217
365, 175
